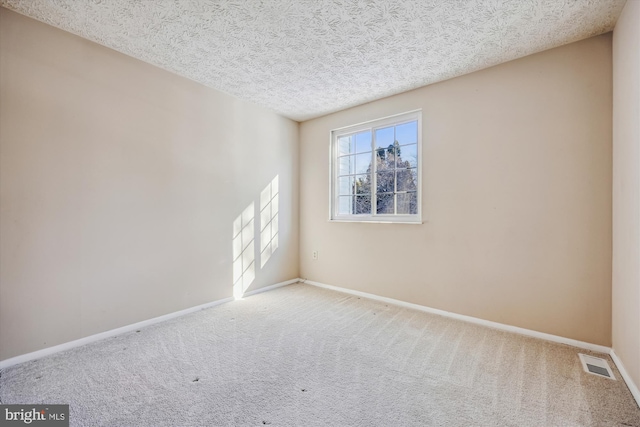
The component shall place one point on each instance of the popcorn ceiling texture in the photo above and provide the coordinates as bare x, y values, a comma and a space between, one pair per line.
307, 58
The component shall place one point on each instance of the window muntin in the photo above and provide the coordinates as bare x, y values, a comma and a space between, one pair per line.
376, 170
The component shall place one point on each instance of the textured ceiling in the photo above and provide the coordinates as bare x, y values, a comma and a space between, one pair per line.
306, 58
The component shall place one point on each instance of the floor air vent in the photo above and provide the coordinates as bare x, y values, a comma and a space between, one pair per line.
596, 366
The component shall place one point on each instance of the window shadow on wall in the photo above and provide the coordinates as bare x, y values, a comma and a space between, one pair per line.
244, 238
244, 270
268, 221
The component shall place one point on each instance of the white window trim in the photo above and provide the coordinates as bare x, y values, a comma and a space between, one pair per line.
333, 171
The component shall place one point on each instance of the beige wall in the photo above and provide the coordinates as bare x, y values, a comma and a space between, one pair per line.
626, 189
119, 185
516, 198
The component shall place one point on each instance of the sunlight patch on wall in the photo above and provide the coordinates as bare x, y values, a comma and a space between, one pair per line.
244, 270
268, 221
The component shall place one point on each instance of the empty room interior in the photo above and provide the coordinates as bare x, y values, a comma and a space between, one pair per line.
341, 213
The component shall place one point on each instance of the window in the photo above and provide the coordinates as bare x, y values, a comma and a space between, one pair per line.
376, 170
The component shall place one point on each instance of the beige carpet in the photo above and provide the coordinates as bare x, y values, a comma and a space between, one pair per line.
304, 356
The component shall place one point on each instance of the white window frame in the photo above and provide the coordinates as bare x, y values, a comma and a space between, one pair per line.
372, 125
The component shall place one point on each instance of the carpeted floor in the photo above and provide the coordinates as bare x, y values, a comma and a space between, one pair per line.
304, 356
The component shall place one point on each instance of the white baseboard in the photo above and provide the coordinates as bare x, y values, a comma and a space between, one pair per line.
633, 388
268, 288
495, 325
124, 329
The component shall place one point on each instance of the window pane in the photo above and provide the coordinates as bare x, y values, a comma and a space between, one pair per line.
387, 162
345, 204
384, 203
392, 156
408, 156
345, 185
407, 179
363, 162
346, 165
363, 141
384, 137
362, 205
381, 155
363, 184
407, 133
345, 145
385, 182
407, 203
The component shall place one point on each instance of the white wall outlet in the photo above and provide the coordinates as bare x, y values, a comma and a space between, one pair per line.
314, 255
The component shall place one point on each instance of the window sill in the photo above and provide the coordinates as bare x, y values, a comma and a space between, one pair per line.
376, 221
